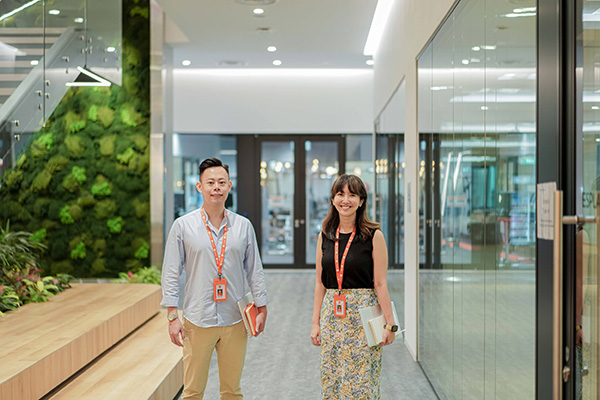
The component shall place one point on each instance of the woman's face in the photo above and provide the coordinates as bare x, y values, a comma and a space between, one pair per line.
346, 203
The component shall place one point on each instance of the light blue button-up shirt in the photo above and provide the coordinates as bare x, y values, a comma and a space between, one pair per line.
188, 249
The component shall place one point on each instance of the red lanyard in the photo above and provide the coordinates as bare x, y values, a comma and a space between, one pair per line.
218, 260
339, 270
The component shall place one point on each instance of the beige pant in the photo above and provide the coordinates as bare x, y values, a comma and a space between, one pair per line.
198, 346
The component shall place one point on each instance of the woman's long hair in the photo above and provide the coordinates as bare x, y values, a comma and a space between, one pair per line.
364, 226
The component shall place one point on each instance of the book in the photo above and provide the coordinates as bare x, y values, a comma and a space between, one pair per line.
249, 312
373, 321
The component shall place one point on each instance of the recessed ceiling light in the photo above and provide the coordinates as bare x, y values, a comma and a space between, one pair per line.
78, 20
595, 107
465, 61
34, 62
276, 62
258, 11
370, 62
186, 62
484, 108
271, 49
475, 48
110, 49
54, 12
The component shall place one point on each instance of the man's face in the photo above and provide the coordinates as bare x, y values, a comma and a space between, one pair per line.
214, 186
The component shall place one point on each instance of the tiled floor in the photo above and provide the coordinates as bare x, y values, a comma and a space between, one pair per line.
282, 364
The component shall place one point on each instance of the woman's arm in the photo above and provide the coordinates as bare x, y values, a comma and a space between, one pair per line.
315, 333
380, 265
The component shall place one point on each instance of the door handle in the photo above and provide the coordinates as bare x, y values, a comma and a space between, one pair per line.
298, 222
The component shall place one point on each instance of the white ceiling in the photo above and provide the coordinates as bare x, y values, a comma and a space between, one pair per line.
307, 33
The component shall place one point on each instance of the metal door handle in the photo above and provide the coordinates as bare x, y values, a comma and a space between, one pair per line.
298, 222
566, 373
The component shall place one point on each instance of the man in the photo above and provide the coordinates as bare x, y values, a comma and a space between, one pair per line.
218, 251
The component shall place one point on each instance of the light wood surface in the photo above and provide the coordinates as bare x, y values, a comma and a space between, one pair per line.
146, 365
43, 344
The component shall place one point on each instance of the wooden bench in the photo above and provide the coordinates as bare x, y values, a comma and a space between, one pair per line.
44, 344
145, 365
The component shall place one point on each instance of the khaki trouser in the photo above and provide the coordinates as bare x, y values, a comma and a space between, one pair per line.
198, 346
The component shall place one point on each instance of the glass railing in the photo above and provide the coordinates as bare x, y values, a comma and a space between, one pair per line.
44, 45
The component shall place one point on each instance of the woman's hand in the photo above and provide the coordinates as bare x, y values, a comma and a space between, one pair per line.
388, 337
315, 334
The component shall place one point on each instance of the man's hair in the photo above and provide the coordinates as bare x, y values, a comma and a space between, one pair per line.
211, 163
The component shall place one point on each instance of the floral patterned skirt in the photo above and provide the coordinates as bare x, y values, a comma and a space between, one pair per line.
350, 369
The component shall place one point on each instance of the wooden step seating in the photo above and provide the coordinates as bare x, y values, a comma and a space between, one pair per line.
44, 344
145, 365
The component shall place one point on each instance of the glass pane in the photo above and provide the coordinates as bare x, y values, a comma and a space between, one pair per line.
322, 169
587, 362
188, 152
382, 170
359, 162
277, 202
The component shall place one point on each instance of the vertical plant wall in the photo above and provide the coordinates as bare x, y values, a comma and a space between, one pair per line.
83, 184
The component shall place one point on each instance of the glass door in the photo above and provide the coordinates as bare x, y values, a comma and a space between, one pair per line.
296, 174
584, 326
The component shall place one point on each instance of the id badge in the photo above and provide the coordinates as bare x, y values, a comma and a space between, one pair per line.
220, 289
339, 305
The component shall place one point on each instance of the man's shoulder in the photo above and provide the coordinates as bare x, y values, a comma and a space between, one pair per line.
237, 218
187, 218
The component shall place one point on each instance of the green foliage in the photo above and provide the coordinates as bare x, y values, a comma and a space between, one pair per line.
143, 275
39, 235
18, 250
9, 299
75, 144
143, 251
115, 225
78, 252
46, 140
79, 174
93, 113
106, 115
88, 129
64, 215
107, 145
41, 181
125, 157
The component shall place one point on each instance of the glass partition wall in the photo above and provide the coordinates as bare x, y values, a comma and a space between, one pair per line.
477, 83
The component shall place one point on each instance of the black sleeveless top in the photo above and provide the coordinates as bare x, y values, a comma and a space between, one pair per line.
358, 269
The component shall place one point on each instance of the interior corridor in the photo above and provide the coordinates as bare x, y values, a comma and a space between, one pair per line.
282, 364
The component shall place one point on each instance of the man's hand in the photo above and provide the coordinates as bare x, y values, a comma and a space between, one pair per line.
315, 334
176, 329
388, 337
261, 319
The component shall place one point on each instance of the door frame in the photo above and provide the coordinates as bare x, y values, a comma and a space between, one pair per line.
249, 166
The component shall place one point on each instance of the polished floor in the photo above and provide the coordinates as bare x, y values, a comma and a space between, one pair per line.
282, 364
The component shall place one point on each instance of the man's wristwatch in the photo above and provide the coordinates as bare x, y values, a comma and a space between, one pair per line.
172, 316
393, 328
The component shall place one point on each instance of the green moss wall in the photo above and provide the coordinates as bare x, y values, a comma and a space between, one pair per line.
83, 184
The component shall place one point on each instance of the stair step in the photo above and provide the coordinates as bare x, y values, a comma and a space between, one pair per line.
32, 31
145, 365
28, 39
49, 342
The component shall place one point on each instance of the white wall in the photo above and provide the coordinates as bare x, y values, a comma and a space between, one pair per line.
273, 101
409, 27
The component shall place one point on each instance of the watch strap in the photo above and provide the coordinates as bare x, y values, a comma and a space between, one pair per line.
172, 316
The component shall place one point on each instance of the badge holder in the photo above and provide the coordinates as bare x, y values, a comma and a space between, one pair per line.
220, 289
339, 305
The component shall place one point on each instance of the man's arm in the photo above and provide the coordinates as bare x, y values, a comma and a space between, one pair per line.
171, 271
256, 278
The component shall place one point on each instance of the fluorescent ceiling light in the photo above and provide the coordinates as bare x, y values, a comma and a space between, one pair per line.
186, 63
88, 78
380, 17
329, 73
489, 47
475, 48
525, 10
34, 62
258, 11
277, 62
595, 107
16, 10
515, 15
370, 62
271, 49
78, 20
484, 108
54, 12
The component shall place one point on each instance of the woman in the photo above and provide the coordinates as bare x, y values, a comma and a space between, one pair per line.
350, 369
